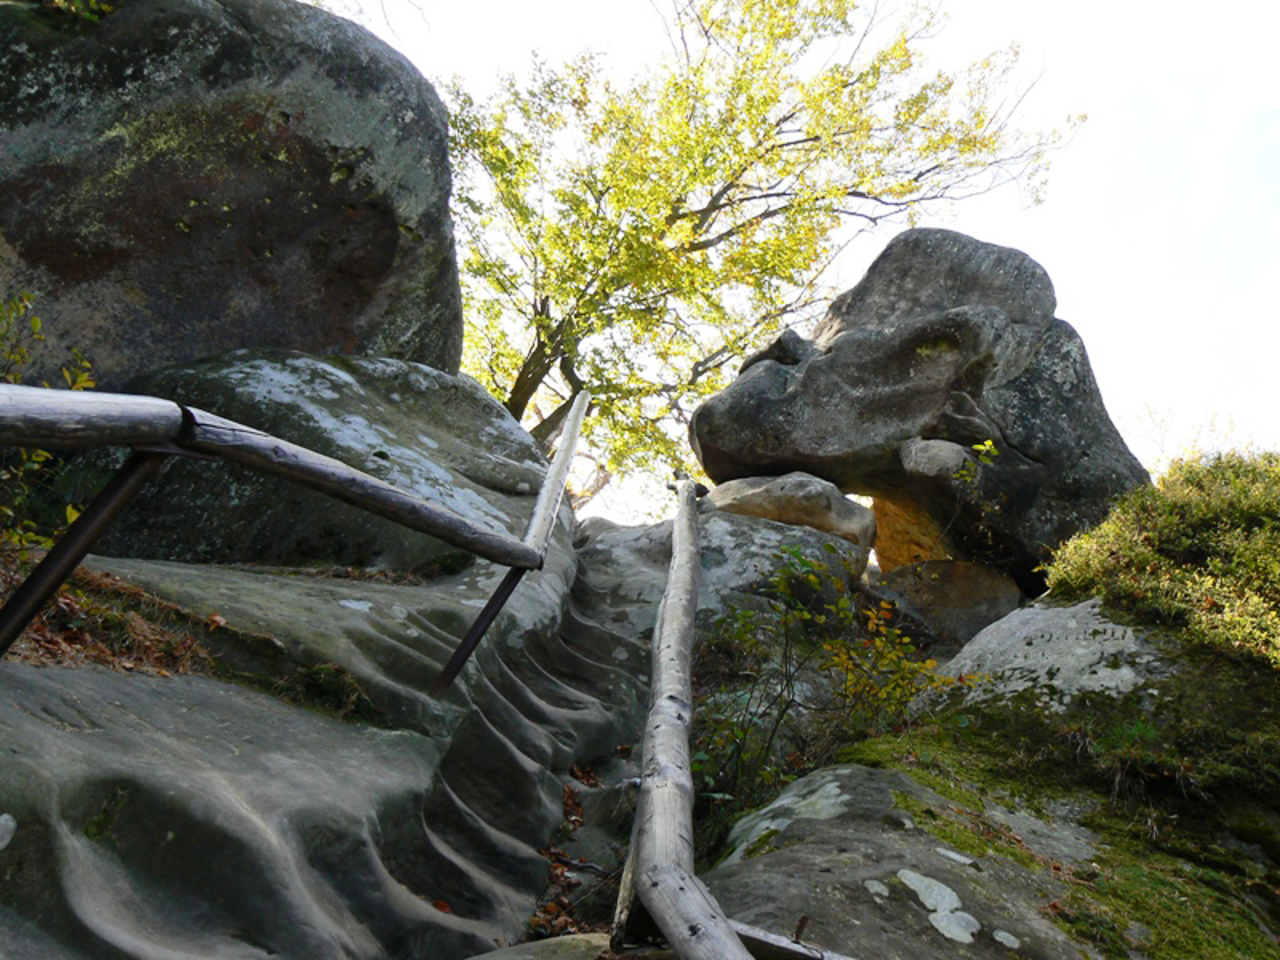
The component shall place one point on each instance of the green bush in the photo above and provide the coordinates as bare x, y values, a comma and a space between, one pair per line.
25, 472
817, 664
1199, 552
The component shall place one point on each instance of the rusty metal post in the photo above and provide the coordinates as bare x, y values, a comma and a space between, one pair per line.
65, 555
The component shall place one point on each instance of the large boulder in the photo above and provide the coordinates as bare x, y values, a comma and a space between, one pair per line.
799, 499
1153, 715
740, 557
947, 345
842, 847
441, 438
149, 816
184, 178
1062, 658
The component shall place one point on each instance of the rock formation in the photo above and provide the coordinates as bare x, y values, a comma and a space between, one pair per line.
198, 815
184, 178
798, 499
887, 884
946, 345
144, 814
405, 423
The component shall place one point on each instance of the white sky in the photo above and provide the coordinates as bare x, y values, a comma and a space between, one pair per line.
1161, 224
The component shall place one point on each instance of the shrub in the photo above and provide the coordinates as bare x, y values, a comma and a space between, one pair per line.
1199, 551
25, 472
785, 685
85, 9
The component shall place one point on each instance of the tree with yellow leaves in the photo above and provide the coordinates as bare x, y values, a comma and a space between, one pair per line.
633, 240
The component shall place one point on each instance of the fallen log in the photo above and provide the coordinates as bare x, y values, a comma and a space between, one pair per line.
660, 869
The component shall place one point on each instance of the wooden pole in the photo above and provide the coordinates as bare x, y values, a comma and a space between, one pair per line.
40, 417
478, 629
207, 433
30, 415
65, 555
660, 863
688, 915
537, 536
543, 521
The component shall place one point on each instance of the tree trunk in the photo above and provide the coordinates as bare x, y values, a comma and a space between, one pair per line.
536, 366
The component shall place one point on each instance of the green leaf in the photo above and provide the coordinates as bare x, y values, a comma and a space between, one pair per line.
637, 238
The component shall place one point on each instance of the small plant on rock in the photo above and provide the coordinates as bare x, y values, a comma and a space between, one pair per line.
819, 663
84, 9
24, 472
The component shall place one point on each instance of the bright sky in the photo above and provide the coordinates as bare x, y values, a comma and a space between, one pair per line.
1161, 224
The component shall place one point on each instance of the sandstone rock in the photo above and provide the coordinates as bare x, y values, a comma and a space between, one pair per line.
907, 534
837, 847
740, 555
1148, 718
586, 946
184, 178
946, 344
798, 499
1059, 655
209, 819
279, 836
954, 599
439, 437
120, 785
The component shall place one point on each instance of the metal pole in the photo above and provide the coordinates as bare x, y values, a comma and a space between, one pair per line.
65, 555
537, 535
477, 631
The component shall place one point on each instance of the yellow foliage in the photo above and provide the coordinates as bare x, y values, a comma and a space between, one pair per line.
24, 470
637, 239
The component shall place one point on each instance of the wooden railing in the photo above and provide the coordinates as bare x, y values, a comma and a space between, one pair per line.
659, 871
157, 429
659, 876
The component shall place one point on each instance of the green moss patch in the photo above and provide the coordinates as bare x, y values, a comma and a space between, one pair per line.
1166, 907
765, 843
1169, 885
1198, 552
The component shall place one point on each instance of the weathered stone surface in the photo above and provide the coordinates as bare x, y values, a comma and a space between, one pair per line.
439, 437
445, 866
739, 555
838, 847
560, 679
185, 817
945, 344
416, 841
799, 499
906, 534
587, 946
1058, 655
184, 178
954, 599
